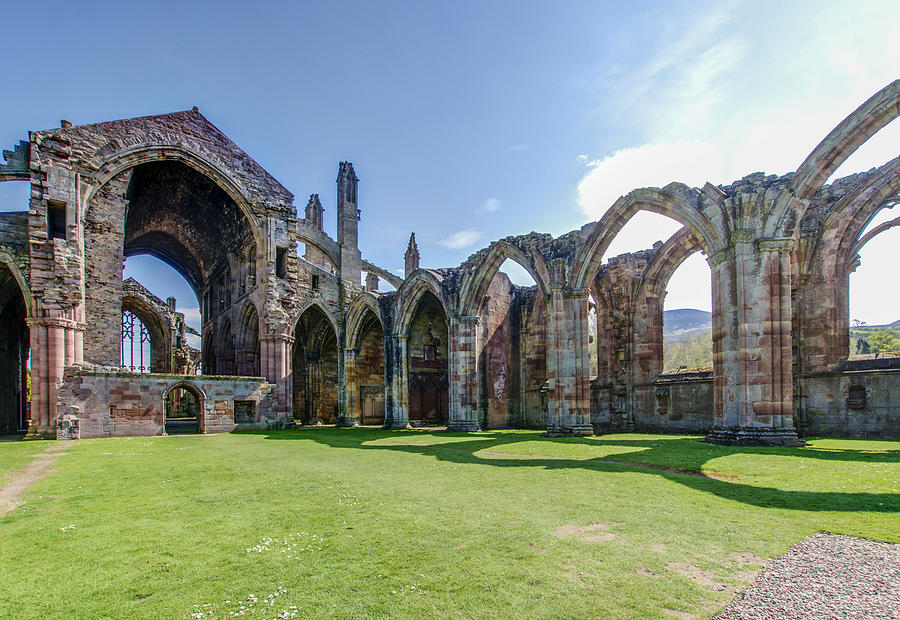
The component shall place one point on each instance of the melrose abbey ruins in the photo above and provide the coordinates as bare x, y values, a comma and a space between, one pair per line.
298, 329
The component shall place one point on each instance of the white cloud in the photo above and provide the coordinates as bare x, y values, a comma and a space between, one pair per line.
461, 239
650, 165
491, 205
191, 317
519, 147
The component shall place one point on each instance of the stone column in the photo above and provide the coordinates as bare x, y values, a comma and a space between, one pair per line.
752, 360
349, 406
52, 348
275, 366
568, 359
463, 374
398, 417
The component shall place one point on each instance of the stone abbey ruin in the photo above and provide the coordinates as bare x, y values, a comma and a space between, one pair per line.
293, 334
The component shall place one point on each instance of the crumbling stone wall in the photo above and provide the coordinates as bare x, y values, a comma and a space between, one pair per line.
110, 403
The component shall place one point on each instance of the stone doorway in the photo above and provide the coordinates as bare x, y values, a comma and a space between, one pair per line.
183, 410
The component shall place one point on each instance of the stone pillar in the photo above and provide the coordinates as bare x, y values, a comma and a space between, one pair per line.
463, 374
568, 359
275, 366
52, 348
348, 390
752, 359
398, 416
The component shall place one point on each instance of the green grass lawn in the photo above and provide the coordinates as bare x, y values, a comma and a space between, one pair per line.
361, 522
16, 454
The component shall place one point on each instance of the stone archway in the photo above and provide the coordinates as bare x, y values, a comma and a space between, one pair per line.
427, 361
315, 368
14, 351
183, 405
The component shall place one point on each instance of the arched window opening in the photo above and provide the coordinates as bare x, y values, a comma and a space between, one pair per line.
874, 303
687, 317
641, 232
135, 343
427, 341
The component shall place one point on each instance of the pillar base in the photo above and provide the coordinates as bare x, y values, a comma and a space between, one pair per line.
396, 425
753, 436
346, 422
462, 426
576, 430
37, 432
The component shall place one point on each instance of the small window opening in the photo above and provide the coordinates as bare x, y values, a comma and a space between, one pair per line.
856, 398
56, 220
281, 262
244, 411
315, 283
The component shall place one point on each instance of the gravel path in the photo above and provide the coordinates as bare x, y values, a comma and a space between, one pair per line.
825, 576
19, 480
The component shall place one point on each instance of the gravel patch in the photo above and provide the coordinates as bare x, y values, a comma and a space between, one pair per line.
825, 576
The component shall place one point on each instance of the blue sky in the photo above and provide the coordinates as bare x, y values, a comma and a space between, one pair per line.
470, 121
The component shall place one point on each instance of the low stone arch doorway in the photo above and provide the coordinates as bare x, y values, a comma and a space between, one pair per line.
183, 409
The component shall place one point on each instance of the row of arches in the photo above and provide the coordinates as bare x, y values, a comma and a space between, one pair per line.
192, 210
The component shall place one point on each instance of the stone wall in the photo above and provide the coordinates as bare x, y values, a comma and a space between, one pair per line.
119, 404
853, 403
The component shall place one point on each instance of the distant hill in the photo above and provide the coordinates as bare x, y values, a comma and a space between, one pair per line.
686, 319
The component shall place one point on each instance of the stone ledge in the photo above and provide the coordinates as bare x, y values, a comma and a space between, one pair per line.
750, 436
462, 426
577, 430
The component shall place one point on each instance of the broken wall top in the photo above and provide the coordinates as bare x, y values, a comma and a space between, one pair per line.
90, 146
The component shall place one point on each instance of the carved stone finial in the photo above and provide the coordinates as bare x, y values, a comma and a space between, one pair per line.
315, 211
411, 258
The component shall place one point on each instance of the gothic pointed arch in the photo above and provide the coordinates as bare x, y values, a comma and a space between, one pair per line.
676, 201
16, 271
158, 328
247, 354
315, 364
829, 154
326, 311
361, 309
476, 282
408, 296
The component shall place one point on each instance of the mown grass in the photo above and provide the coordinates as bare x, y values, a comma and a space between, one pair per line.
16, 454
362, 522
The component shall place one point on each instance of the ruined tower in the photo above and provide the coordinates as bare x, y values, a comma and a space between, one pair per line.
314, 211
411, 258
348, 224
314, 215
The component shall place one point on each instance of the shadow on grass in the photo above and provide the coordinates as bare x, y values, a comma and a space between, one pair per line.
680, 460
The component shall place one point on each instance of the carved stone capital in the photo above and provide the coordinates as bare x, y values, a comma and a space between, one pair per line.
778, 244
742, 236
717, 258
